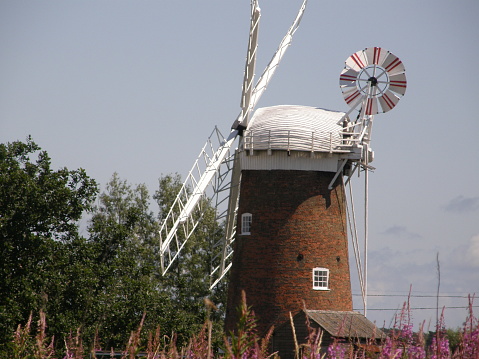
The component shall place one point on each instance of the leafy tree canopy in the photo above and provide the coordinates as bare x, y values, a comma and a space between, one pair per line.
39, 212
105, 283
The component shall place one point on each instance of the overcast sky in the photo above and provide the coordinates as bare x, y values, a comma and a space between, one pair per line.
136, 87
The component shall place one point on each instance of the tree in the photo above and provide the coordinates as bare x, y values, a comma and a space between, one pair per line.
39, 213
188, 276
123, 233
104, 283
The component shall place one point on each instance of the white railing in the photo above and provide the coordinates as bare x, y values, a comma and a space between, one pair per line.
296, 140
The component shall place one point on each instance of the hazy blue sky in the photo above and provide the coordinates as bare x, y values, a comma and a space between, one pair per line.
135, 87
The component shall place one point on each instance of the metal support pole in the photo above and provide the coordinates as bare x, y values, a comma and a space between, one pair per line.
366, 199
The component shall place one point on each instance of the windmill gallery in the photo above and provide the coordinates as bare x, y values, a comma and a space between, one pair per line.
281, 176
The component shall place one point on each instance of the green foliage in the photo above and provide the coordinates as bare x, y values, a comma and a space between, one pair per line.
242, 343
188, 277
101, 286
128, 283
454, 336
39, 211
123, 234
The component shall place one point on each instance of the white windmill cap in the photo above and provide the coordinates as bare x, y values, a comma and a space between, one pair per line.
294, 127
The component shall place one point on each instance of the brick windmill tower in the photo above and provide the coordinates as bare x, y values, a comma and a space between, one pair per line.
291, 247
281, 191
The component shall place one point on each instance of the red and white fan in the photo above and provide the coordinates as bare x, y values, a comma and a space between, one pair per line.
374, 80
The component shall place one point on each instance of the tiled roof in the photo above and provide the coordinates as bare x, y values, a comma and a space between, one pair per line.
345, 324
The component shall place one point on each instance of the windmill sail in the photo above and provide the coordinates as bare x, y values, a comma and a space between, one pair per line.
186, 211
269, 71
250, 66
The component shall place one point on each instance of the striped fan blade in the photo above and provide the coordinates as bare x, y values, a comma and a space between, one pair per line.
375, 55
351, 95
397, 83
393, 65
357, 61
371, 106
348, 78
388, 100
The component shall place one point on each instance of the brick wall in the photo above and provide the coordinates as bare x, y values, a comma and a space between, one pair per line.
298, 224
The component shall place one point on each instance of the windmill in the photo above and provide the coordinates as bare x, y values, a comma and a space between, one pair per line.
281, 190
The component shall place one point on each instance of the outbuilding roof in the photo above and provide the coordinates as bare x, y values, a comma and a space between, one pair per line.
345, 324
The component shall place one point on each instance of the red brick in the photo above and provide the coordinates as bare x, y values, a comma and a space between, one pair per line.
293, 214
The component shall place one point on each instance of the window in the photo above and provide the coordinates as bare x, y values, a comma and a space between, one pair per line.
246, 219
320, 278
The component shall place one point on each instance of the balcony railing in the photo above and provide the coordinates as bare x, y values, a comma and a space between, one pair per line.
296, 140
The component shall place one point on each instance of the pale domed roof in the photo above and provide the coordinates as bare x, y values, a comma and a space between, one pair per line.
293, 127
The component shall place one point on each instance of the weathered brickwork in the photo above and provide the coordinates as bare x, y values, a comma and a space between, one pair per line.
297, 225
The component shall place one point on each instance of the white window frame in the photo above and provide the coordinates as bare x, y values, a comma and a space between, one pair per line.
320, 278
246, 220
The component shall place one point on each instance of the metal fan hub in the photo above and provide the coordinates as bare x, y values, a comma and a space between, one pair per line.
373, 81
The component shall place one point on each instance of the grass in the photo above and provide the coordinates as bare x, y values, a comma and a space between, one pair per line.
401, 343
